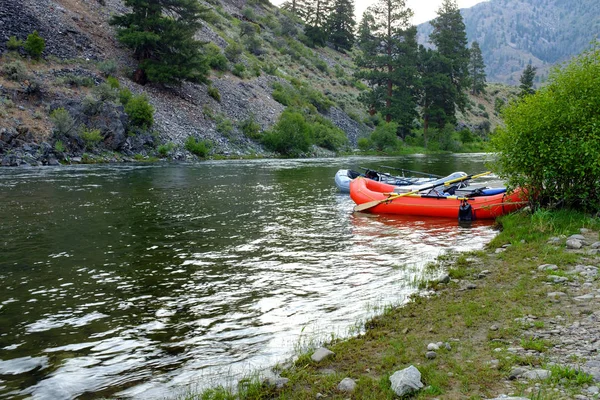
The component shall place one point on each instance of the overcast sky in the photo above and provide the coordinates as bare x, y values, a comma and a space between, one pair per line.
424, 10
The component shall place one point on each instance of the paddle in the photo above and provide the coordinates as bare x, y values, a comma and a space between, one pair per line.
371, 204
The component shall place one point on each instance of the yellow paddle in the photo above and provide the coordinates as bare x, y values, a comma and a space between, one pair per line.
371, 204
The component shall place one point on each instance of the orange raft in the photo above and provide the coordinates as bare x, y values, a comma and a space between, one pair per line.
481, 207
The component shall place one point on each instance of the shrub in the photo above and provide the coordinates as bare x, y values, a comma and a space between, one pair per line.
466, 136
34, 45
124, 96
224, 126
499, 104
106, 92
239, 70
550, 144
91, 137
59, 146
249, 13
250, 128
76, 80
254, 45
140, 112
62, 120
364, 144
291, 136
321, 65
197, 147
13, 43
165, 149
216, 59
328, 135
108, 67
384, 137
15, 71
113, 82
233, 52
282, 94
214, 93
91, 105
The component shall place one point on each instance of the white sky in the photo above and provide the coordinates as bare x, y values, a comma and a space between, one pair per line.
424, 10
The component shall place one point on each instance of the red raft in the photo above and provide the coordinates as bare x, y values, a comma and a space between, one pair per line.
481, 207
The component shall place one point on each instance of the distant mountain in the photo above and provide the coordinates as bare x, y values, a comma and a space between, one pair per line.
513, 33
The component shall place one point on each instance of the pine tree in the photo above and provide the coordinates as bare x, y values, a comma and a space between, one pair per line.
526, 80
450, 39
388, 62
161, 34
315, 16
436, 91
340, 25
477, 70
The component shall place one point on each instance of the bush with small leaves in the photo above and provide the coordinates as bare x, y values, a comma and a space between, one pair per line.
214, 93
34, 45
249, 13
113, 82
76, 80
59, 146
108, 67
216, 59
197, 147
239, 70
91, 137
124, 96
62, 120
140, 112
291, 136
364, 144
106, 92
15, 71
13, 43
165, 149
250, 128
233, 52
384, 137
224, 125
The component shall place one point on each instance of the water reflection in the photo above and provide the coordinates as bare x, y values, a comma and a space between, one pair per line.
136, 281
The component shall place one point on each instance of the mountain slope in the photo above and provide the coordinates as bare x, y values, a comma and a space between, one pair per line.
513, 33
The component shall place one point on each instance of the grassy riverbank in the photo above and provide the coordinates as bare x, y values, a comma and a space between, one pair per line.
495, 313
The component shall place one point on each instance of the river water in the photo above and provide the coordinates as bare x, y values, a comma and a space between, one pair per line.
143, 281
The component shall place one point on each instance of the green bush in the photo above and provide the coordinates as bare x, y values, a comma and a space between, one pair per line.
13, 43
108, 67
113, 82
551, 141
291, 136
91, 137
283, 94
59, 146
233, 52
239, 70
15, 71
124, 96
197, 147
384, 137
140, 112
364, 144
34, 45
106, 92
466, 136
250, 128
62, 120
214, 93
224, 125
165, 149
328, 135
216, 59
76, 80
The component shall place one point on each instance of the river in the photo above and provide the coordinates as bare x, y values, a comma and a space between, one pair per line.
143, 281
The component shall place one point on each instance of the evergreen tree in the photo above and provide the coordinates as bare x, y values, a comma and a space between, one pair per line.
477, 70
340, 25
315, 16
526, 80
161, 34
436, 91
450, 38
388, 61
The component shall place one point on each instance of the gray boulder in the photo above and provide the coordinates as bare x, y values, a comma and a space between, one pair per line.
406, 381
347, 385
320, 354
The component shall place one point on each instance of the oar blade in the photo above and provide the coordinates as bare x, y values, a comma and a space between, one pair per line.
366, 206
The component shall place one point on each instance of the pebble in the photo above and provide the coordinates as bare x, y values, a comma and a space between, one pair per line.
431, 355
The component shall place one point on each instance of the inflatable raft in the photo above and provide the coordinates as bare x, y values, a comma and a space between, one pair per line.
484, 205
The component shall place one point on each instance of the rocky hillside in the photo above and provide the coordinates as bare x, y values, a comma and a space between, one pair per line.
81, 51
514, 33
